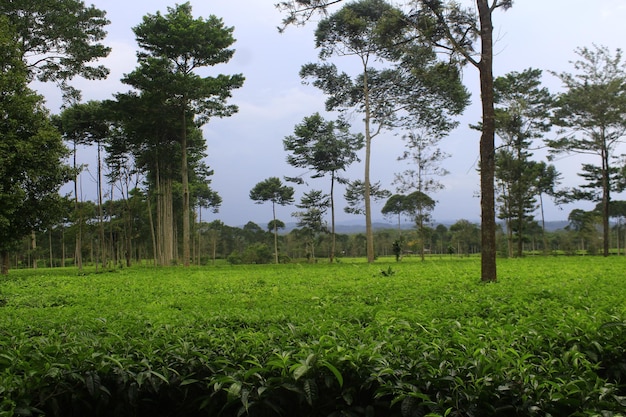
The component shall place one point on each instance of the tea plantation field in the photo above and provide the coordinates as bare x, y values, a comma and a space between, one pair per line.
349, 339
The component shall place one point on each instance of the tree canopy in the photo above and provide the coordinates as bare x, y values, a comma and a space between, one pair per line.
31, 154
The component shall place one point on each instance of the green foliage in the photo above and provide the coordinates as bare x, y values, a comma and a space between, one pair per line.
59, 38
31, 154
317, 340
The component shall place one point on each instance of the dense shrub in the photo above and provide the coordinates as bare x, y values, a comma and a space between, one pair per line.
317, 340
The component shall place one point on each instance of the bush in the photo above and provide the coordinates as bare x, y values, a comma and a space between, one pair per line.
257, 253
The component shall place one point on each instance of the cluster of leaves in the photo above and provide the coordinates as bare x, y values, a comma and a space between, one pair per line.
286, 340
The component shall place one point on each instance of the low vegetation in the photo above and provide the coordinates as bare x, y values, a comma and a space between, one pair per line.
349, 339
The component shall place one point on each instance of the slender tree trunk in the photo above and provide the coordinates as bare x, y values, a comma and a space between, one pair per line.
33, 242
333, 242
543, 225
185, 181
369, 234
487, 155
100, 213
4, 262
78, 251
606, 200
50, 246
62, 246
275, 234
152, 231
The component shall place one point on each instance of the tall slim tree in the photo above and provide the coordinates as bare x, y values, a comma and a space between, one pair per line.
592, 114
419, 206
456, 30
272, 189
86, 124
523, 110
327, 147
181, 45
314, 205
405, 92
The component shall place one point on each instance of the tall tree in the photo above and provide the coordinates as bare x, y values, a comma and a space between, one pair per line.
272, 189
419, 206
58, 39
592, 114
149, 133
327, 147
456, 30
406, 91
424, 158
86, 124
314, 205
31, 153
395, 205
523, 110
451, 28
181, 45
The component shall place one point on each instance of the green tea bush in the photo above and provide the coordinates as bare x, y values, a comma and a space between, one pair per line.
317, 340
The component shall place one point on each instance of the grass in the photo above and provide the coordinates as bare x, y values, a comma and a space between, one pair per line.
407, 339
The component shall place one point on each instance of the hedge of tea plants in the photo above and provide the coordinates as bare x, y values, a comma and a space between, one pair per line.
349, 339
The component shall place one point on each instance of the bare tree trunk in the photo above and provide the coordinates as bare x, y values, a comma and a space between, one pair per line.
4, 262
152, 231
275, 233
543, 225
185, 182
78, 250
50, 246
102, 247
487, 155
369, 234
33, 242
333, 243
606, 200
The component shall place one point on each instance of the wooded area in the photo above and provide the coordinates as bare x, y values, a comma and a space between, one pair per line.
153, 181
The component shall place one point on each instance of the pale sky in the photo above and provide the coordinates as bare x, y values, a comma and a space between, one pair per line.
247, 147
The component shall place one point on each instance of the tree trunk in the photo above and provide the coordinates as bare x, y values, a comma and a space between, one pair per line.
152, 231
487, 156
4, 262
50, 247
185, 183
102, 247
78, 249
333, 242
33, 242
543, 225
606, 199
369, 234
275, 234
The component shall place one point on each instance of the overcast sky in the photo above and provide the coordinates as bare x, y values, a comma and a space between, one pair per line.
247, 147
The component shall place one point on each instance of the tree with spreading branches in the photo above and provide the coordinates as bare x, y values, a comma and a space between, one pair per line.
327, 147
456, 30
272, 189
592, 115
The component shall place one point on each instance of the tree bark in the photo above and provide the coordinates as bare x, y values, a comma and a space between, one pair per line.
487, 155
78, 249
185, 183
606, 199
275, 233
4, 262
369, 234
333, 243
